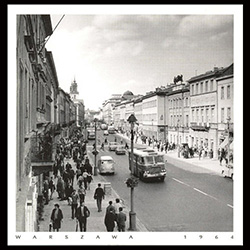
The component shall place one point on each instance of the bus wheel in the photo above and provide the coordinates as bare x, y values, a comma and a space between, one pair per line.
141, 176
162, 179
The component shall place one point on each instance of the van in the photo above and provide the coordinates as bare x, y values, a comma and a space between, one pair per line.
106, 165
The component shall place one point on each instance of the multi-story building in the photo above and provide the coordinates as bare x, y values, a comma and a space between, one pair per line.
225, 100
154, 114
177, 100
33, 116
204, 110
107, 108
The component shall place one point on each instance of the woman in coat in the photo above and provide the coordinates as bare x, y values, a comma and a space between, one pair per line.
56, 218
109, 220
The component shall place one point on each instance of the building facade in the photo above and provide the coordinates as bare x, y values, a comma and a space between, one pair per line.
177, 99
225, 86
34, 101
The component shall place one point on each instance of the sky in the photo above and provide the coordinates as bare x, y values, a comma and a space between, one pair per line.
111, 53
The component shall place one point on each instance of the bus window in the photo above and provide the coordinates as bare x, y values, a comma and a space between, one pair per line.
149, 159
159, 159
141, 160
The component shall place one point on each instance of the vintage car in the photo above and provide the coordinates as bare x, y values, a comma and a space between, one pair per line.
228, 170
105, 132
112, 146
120, 150
106, 165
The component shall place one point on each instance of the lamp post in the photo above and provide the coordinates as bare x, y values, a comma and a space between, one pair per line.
178, 144
228, 143
95, 152
132, 182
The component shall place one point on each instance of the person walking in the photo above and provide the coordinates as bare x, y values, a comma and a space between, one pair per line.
82, 213
81, 193
51, 187
117, 205
99, 195
109, 220
121, 220
56, 218
46, 191
60, 188
89, 179
110, 207
85, 176
74, 203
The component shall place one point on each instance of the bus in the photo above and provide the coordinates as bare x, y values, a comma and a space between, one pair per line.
147, 164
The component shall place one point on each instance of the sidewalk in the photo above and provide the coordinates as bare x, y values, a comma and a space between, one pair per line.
95, 223
204, 165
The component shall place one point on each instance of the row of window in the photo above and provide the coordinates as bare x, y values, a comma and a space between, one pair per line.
202, 87
222, 92
178, 102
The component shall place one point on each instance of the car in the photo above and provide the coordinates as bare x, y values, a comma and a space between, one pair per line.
228, 171
120, 150
105, 165
112, 146
105, 132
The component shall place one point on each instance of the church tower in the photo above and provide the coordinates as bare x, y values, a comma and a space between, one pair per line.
73, 90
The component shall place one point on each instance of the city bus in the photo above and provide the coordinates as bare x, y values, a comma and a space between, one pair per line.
148, 164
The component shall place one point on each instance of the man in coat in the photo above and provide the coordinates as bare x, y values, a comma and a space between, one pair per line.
82, 213
99, 196
121, 220
56, 218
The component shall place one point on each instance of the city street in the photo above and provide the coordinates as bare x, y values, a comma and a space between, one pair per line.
186, 201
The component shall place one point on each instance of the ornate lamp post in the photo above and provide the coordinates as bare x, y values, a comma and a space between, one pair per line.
132, 182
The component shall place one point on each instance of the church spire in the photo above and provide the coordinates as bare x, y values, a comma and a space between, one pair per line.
73, 89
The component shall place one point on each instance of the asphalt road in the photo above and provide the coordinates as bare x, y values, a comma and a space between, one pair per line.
191, 201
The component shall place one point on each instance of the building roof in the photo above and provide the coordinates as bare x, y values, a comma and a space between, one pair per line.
216, 72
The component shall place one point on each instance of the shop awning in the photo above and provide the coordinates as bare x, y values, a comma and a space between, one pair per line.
224, 143
41, 167
231, 145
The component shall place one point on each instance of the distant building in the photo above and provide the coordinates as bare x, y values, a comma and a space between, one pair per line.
107, 108
203, 129
80, 108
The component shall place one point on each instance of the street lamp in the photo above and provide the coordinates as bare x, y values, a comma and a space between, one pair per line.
132, 182
228, 143
178, 141
95, 152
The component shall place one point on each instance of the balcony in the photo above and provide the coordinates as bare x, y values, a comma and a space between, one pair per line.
41, 148
199, 126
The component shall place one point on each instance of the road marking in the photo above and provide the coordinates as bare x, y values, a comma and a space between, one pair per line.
198, 190
181, 182
230, 205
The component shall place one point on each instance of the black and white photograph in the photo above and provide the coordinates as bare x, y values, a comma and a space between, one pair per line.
125, 124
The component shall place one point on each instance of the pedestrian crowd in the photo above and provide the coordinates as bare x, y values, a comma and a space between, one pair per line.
72, 187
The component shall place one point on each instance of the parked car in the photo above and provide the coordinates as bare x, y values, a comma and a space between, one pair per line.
112, 146
120, 150
106, 165
228, 171
105, 132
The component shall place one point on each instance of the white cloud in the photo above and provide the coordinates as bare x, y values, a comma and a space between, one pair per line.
200, 24
125, 48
